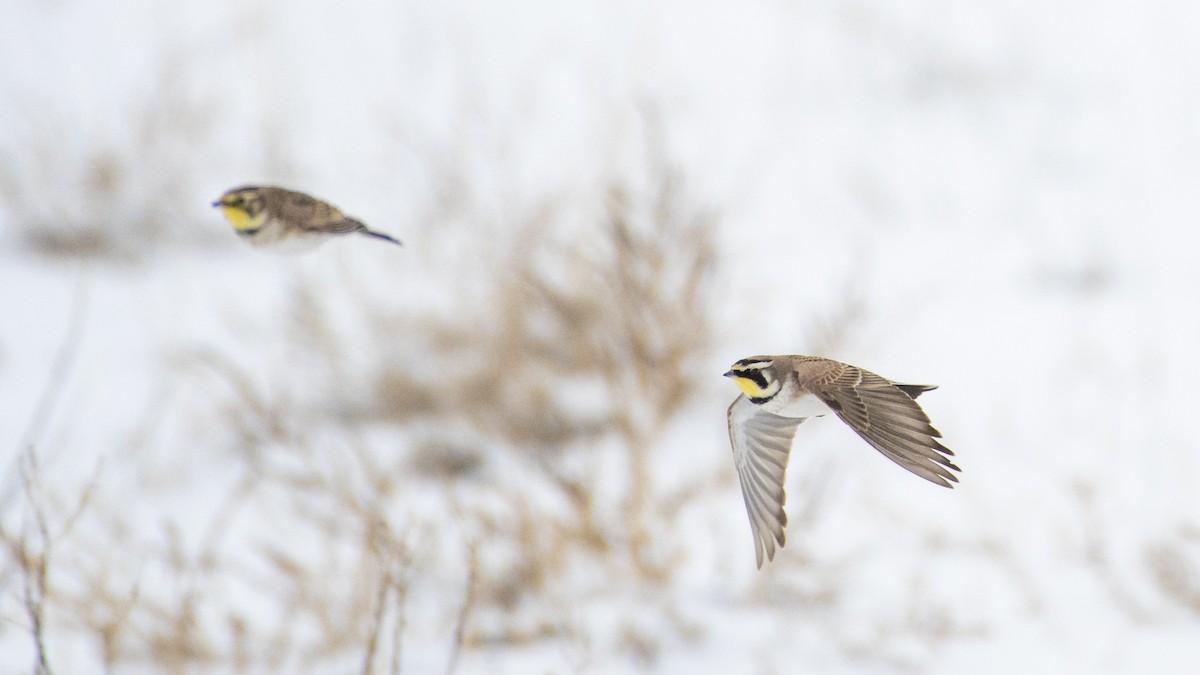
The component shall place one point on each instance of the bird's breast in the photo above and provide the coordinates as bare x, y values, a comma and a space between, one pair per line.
800, 405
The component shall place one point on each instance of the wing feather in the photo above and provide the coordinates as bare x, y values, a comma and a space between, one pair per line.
342, 226
890, 420
298, 207
761, 443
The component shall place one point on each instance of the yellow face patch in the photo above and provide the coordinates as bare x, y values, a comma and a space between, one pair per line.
749, 387
240, 219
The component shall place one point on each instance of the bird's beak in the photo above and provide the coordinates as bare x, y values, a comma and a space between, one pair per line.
217, 203
730, 374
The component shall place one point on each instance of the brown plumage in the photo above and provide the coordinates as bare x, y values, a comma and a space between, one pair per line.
780, 392
277, 217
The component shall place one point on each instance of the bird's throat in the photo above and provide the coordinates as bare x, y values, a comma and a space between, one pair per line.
241, 220
750, 388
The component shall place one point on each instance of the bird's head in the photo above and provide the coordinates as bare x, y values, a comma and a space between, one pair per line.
756, 377
244, 208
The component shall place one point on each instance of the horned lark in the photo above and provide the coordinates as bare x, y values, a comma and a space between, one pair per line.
283, 219
780, 392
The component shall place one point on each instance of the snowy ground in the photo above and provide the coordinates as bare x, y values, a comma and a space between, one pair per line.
371, 459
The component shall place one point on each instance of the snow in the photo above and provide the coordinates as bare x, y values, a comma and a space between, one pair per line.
993, 197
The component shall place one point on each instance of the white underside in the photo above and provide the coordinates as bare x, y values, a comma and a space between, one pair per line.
805, 405
275, 238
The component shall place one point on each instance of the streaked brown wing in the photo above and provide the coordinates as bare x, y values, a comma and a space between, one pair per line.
309, 213
890, 420
343, 226
294, 206
761, 442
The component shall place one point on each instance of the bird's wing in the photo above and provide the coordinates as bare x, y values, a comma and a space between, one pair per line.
298, 207
315, 215
761, 442
341, 226
888, 418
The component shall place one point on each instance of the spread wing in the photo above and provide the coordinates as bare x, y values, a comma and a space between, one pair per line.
887, 417
761, 442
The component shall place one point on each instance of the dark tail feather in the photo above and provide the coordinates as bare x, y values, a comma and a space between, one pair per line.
380, 235
915, 390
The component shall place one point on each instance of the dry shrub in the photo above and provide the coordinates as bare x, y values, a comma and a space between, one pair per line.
68, 195
523, 423
569, 367
297, 564
1175, 567
32, 548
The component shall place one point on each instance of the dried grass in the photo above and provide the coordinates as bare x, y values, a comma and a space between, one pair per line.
531, 412
1174, 565
68, 196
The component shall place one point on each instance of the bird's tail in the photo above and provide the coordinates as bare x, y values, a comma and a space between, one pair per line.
380, 235
915, 390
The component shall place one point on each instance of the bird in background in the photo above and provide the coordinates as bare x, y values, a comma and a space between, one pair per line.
780, 392
286, 220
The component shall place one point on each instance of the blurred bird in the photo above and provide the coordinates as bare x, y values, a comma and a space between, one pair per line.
272, 217
780, 392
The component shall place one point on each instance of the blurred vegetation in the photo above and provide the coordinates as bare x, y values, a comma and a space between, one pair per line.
117, 181
528, 405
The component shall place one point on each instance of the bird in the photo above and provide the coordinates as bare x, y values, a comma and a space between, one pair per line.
780, 392
286, 220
